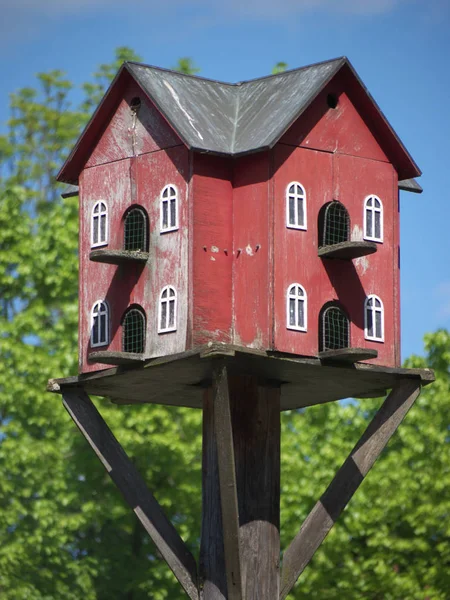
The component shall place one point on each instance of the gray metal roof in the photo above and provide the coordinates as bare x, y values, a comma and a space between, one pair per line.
234, 119
410, 185
69, 191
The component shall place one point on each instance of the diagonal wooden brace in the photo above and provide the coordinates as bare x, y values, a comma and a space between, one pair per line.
133, 488
347, 480
227, 482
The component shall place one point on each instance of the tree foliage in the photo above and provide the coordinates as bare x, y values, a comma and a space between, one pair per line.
64, 529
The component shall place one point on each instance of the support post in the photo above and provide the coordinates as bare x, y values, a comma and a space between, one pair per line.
254, 432
347, 480
133, 488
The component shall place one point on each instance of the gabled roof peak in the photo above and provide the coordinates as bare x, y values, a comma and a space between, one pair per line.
234, 119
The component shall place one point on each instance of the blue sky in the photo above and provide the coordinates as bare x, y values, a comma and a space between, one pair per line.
400, 48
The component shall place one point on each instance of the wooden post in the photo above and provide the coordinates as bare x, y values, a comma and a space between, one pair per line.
254, 430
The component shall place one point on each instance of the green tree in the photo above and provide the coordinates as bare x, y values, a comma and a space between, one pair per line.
64, 529
393, 540
186, 65
280, 67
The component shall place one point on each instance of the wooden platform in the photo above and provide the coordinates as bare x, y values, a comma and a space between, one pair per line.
179, 379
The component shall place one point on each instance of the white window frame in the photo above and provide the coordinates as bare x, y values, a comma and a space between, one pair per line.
166, 201
369, 306
96, 224
166, 327
97, 311
299, 193
374, 211
292, 294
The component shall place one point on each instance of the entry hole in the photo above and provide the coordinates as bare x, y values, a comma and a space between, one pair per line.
135, 103
332, 100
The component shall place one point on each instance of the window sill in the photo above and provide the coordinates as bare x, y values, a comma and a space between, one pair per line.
109, 357
347, 250
118, 257
348, 355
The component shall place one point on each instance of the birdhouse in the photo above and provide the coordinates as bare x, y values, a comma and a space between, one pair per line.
238, 244
262, 214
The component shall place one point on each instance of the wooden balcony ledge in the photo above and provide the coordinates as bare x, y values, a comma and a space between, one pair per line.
347, 250
348, 355
118, 257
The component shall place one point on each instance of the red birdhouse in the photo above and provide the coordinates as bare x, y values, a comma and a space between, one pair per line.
262, 214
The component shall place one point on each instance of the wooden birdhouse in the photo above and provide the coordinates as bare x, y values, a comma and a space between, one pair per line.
262, 214
238, 245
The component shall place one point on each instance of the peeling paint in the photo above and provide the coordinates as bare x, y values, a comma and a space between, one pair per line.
362, 264
249, 250
212, 258
357, 234
214, 249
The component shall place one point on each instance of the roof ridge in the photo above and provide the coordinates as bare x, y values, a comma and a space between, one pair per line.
341, 59
165, 70
236, 117
238, 83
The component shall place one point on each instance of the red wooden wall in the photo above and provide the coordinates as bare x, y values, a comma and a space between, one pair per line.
233, 258
115, 175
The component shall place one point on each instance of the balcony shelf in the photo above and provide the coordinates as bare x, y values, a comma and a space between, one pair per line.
348, 355
118, 257
347, 250
110, 357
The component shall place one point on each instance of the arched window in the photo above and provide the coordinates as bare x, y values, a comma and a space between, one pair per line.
135, 230
295, 206
169, 208
99, 324
334, 328
133, 330
296, 307
334, 224
373, 219
373, 318
167, 317
99, 224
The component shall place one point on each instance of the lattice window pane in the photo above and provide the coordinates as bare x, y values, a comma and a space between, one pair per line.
377, 225
173, 212
135, 230
335, 329
300, 214
369, 216
95, 331
378, 325
103, 228
336, 224
292, 312
165, 214
291, 210
171, 313
300, 313
369, 318
95, 229
163, 324
134, 331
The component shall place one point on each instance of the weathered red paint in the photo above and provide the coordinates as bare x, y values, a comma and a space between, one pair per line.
233, 258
